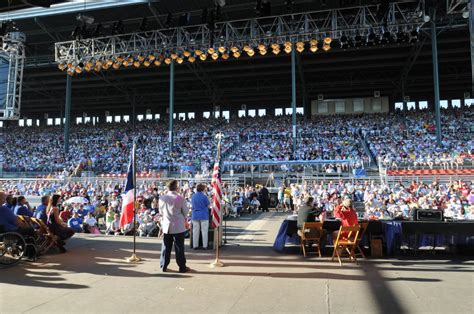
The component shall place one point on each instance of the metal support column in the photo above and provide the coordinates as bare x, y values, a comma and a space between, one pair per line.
293, 96
171, 108
434, 52
67, 113
471, 31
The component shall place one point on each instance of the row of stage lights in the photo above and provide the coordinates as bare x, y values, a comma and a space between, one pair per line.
221, 51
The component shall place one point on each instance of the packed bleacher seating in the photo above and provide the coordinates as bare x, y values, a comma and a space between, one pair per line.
396, 140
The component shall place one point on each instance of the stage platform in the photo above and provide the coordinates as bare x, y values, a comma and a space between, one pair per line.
93, 277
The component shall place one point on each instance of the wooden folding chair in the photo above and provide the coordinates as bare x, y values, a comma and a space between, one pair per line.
363, 228
346, 241
312, 231
47, 239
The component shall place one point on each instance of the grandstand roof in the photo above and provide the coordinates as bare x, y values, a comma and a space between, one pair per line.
258, 81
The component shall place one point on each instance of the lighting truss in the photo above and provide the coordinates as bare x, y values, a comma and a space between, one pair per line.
456, 6
234, 38
12, 59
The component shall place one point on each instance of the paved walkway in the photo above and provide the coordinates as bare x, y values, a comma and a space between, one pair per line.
94, 278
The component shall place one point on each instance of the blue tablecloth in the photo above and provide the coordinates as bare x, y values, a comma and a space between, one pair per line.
284, 237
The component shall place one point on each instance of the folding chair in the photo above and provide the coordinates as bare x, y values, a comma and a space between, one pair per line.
346, 241
363, 228
312, 231
46, 239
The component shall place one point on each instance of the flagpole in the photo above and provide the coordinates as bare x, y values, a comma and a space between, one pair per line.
134, 257
217, 262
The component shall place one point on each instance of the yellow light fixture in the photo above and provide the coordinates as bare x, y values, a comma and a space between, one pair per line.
179, 60
300, 47
234, 49
251, 53
70, 65
287, 44
275, 46
62, 66
186, 54
105, 66
70, 72
247, 48
276, 51
97, 68
191, 59
141, 58
261, 47
198, 52
109, 62
167, 60
236, 54
147, 63
287, 49
120, 59
116, 66
98, 63
78, 70
215, 56
130, 59
126, 63
313, 42
174, 56
222, 49
211, 50
151, 57
136, 64
157, 63
326, 47
88, 66
327, 40
203, 57
263, 52
225, 56
313, 48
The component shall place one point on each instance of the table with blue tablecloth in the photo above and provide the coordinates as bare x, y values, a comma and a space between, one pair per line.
413, 234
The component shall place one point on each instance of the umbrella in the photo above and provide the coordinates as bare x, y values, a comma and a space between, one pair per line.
77, 200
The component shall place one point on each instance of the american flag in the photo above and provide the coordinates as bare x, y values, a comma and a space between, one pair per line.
217, 194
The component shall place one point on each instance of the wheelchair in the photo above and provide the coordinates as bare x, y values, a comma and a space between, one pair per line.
12, 248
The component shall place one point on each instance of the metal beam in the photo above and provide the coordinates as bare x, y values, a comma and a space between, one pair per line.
293, 97
434, 50
67, 113
471, 32
171, 108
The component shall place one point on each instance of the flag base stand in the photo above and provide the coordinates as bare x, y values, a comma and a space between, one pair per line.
133, 259
217, 263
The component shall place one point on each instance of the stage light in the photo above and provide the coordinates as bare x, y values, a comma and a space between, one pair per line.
326, 47
70, 72
179, 60
167, 60
234, 49
62, 66
98, 63
78, 70
109, 62
313, 48
136, 64
125, 63
191, 59
222, 49
198, 52
174, 56
186, 54
70, 65
247, 48
157, 63
130, 59
225, 56
211, 50
97, 68
88, 66
261, 47
275, 46
236, 54
105, 66
327, 40
203, 57
141, 58
276, 51
120, 59
215, 56
146, 63
116, 66
300, 46
251, 52
287, 48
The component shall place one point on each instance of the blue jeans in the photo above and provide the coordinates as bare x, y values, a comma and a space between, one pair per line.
168, 240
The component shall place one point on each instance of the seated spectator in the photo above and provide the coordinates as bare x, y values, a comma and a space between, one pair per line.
66, 214
254, 205
346, 213
146, 227
55, 223
90, 224
114, 226
75, 222
22, 207
40, 212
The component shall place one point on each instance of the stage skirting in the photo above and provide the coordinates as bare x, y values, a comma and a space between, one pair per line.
412, 234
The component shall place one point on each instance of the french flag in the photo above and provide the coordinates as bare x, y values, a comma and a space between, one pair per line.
129, 195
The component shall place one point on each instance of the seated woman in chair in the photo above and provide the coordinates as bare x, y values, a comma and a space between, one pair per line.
56, 225
346, 213
307, 213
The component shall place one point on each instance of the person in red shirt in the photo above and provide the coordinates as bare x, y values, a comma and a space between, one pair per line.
347, 214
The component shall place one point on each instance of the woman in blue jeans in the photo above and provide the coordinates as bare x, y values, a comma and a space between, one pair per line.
200, 216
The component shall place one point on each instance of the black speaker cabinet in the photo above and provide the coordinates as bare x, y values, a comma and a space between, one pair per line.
428, 215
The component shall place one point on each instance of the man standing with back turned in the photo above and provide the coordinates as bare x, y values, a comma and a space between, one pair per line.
173, 208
